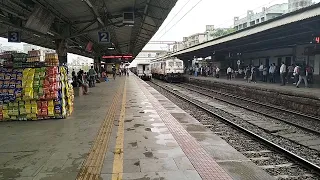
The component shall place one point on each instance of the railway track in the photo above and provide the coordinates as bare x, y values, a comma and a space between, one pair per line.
306, 119
265, 153
309, 125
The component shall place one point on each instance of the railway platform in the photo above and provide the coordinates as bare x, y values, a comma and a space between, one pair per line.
288, 89
304, 100
124, 129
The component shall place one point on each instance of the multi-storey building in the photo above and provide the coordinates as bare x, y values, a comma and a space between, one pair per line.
256, 18
298, 4
194, 39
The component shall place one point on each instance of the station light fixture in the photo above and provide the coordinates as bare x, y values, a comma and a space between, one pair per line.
128, 18
50, 33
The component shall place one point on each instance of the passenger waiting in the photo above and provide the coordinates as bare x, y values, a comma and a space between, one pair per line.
217, 72
261, 67
265, 74
272, 73
290, 73
283, 70
229, 73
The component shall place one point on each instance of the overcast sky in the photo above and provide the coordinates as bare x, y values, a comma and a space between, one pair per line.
208, 12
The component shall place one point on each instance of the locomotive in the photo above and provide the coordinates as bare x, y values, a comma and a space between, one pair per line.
169, 69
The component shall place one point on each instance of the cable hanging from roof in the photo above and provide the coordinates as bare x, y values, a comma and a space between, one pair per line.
180, 19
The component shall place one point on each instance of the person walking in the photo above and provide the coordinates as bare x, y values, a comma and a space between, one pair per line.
283, 70
296, 74
303, 74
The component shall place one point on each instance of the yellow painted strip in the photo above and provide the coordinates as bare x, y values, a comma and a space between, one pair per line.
118, 155
92, 166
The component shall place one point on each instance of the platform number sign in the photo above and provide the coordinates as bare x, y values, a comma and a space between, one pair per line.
104, 37
14, 36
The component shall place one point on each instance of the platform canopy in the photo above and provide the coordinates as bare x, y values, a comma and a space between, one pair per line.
85, 27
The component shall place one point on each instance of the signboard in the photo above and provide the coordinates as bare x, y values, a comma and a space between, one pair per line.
40, 20
14, 36
316, 40
104, 37
89, 46
118, 56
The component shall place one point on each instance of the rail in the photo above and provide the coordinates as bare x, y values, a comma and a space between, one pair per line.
289, 154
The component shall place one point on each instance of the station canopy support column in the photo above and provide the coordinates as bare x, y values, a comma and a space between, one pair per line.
61, 49
97, 64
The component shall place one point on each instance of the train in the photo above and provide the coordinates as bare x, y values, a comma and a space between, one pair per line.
142, 69
169, 69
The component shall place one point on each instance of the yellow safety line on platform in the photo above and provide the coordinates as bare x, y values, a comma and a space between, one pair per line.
118, 155
92, 166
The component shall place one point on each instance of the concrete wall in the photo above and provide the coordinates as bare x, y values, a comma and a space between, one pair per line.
308, 104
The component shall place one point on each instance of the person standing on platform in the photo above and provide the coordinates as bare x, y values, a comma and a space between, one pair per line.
229, 72
283, 70
92, 77
214, 71
217, 72
271, 73
265, 74
261, 71
290, 73
196, 72
303, 74
253, 74
114, 71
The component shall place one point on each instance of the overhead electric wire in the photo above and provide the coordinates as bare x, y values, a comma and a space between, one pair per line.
180, 19
174, 16
219, 25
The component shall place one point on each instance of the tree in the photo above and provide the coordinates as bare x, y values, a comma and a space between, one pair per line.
222, 32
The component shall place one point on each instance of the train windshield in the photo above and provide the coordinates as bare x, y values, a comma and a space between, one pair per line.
171, 64
178, 63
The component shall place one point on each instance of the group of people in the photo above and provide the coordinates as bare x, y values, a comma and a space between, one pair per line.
84, 79
123, 70
205, 71
294, 73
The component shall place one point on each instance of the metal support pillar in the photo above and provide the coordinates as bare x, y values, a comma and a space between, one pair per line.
97, 64
61, 50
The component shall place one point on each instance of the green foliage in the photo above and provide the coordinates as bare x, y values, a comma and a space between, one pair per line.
222, 32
